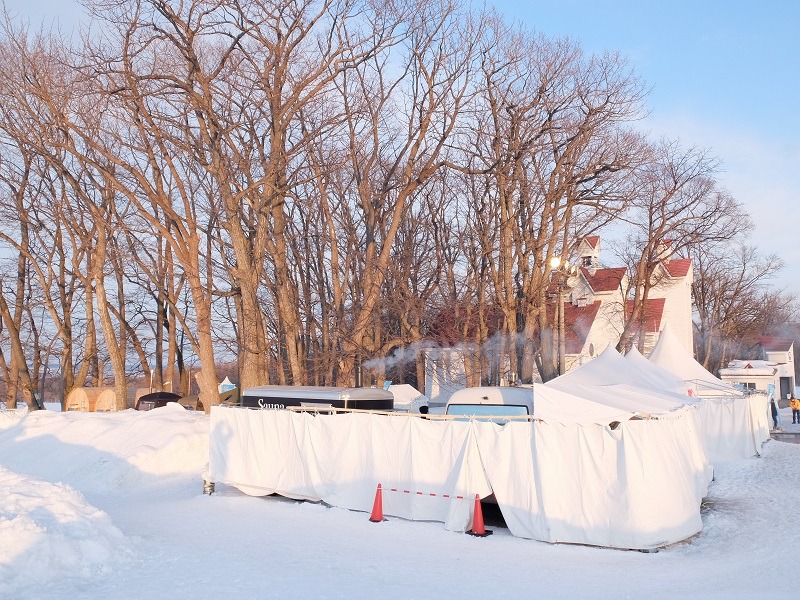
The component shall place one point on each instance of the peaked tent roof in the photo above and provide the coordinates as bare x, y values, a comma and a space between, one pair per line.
671, 355
608, 368
659, 376
615, 382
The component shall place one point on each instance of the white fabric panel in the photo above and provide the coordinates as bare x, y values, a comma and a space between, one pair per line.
760, 417
727, 428
553, 404
562, 484
638, 486
236, 433
665, 502
341, 459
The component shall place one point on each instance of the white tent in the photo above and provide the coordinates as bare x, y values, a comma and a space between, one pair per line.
612, 380
608, 368
730, 425
407, 397
670, 354
658, 376
555, 405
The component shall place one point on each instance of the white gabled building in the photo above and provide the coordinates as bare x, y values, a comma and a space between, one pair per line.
776, 367
594, 313
673, 284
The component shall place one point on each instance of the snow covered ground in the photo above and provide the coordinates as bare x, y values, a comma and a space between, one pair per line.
111, 506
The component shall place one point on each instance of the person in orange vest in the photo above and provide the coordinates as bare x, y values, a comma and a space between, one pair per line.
795, 404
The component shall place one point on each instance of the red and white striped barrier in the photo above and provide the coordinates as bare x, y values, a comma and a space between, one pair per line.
478, 528
425, 493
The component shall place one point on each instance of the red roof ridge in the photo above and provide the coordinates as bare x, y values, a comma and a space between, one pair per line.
678, 267
592, 240
604, 280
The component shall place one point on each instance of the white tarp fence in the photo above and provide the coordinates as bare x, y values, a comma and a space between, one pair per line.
734, 426
638, 486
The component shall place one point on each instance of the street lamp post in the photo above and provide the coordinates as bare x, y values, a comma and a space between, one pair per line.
563, 273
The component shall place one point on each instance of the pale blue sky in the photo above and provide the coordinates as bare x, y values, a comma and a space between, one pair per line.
724, 75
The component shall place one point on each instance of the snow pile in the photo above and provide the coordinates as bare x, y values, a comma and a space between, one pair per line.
106, 452
49, 531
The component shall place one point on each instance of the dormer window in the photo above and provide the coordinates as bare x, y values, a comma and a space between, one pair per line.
586, 261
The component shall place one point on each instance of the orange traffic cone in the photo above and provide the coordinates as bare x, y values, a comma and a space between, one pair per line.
377, 507
478, 529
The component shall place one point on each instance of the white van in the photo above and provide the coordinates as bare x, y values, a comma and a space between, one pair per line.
488, 402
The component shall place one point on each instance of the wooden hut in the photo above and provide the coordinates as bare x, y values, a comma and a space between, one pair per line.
100, 399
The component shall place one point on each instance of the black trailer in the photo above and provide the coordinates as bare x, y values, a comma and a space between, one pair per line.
281, 396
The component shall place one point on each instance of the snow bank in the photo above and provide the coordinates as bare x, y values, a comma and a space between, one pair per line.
106, 452
49, 531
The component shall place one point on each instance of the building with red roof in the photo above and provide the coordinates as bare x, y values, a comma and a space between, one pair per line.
598, 303
596, 307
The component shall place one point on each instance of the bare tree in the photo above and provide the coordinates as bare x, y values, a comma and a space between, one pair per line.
733, 300
678, 205
555, 158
